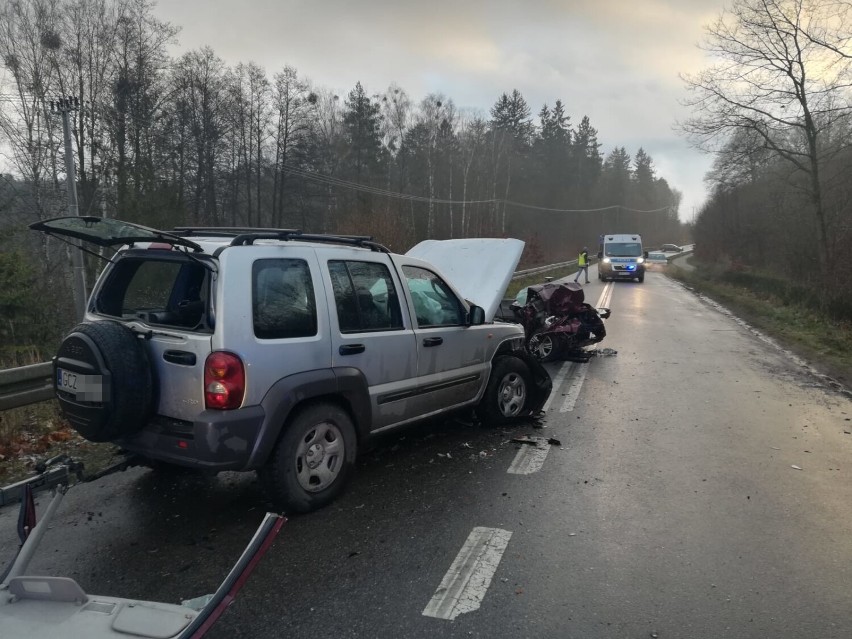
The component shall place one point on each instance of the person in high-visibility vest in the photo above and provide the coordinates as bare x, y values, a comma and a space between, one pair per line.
583, 264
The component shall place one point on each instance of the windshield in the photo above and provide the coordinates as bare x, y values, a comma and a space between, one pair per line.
623, 249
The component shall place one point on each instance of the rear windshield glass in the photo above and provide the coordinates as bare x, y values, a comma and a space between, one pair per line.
167, 292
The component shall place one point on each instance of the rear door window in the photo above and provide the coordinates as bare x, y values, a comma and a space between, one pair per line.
364, 296
283, 301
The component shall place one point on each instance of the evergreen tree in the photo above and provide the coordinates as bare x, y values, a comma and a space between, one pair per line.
512, 114
586, 162
362, 124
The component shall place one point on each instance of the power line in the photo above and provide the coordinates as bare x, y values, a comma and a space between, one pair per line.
364, 188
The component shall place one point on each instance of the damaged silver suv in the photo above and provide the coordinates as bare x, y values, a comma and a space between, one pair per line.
280, 351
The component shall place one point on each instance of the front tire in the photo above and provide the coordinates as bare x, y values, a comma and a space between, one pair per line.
312, 461
508, 392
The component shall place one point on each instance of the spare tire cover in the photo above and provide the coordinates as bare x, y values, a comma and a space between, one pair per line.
104, 381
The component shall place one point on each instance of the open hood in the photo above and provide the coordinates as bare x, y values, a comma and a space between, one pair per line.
479, 268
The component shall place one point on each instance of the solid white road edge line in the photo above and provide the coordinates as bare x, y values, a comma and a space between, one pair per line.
606, 294
530, 459
466, 582
557, 382
574, 389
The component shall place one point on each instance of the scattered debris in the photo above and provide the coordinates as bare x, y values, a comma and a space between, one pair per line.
525, 440
554, 442
796, 467
447, 455
466, 445
483, 454
354, 553
774, 448
605, 352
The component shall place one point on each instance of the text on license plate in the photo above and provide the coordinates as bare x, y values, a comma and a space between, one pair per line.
87, 388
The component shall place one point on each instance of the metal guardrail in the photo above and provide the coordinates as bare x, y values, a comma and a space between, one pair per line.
31, 384
542, 269
26, 385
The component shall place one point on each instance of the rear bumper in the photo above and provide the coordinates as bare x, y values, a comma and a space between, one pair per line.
217, 441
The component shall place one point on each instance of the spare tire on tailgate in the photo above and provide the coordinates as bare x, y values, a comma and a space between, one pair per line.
103, 380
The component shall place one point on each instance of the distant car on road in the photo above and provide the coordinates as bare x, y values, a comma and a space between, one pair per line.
671, 248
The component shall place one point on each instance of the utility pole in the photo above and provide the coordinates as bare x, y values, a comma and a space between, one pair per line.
65, 106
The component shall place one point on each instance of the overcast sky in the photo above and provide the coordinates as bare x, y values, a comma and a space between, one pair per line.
616, 61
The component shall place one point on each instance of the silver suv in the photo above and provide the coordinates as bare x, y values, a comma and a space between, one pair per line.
279, 351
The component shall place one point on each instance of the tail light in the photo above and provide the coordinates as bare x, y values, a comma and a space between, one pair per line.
224, 381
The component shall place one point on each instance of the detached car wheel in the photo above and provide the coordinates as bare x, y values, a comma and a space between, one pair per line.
104, 381
508, 392
544, 348
312, 460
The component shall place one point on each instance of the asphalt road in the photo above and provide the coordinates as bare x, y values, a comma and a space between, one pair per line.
701, 489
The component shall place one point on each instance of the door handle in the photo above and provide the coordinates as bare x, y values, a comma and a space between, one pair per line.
433, 341
352, 349
180, 357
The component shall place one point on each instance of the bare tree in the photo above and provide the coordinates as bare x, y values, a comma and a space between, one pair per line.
292, 102
199, 104
85, 68
472, 134
27, 42
781, 74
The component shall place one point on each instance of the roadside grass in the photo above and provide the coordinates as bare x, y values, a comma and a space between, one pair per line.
792, 320
37, 432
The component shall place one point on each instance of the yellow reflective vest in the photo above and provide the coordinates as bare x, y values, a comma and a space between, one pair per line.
583, 260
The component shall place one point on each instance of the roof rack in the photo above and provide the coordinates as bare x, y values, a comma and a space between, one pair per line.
226, 231
244, 236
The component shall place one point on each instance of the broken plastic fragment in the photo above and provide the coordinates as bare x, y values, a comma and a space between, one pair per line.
796, 467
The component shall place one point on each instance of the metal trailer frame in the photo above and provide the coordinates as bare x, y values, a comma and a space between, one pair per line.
50, 606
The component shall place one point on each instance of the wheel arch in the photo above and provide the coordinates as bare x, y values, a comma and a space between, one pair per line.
344, 387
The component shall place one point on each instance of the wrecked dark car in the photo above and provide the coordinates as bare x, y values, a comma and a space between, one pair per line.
557, 321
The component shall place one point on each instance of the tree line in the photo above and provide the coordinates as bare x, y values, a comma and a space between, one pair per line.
193, 141
775, 106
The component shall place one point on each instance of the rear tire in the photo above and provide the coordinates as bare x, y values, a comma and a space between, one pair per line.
508, 393
312, 461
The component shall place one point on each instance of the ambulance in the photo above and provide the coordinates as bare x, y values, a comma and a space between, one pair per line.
621, 256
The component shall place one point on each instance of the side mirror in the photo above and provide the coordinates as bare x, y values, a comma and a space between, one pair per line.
476, 316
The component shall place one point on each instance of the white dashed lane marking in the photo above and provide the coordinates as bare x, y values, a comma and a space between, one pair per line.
466, 582
530, 458
578, 376
557, 383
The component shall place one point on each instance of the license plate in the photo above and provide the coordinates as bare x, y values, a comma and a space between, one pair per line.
86, 388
